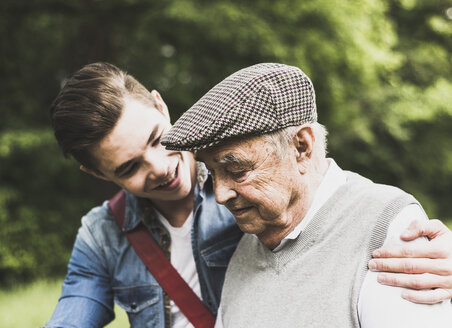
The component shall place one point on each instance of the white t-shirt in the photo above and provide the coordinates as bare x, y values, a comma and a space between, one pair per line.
183, 261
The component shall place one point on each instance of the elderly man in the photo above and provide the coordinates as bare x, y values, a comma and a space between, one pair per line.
310, 227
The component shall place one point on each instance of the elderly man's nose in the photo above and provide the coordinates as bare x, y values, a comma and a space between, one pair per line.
223, 191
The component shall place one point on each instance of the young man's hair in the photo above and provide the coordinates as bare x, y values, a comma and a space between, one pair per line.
89, 106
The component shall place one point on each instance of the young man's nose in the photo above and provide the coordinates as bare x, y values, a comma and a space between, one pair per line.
158, 163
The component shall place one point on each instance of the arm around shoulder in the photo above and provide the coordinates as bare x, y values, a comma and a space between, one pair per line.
383, 306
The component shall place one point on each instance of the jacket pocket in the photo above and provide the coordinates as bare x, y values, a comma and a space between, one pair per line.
219, 254
141, 304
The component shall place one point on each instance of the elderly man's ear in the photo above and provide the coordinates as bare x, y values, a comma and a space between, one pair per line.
304, 143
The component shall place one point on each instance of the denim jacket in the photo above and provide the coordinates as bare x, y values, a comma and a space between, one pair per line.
104, 267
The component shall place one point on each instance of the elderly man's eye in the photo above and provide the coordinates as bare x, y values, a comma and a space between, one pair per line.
238, 174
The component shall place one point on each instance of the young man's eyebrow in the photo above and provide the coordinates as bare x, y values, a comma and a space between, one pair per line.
121, 167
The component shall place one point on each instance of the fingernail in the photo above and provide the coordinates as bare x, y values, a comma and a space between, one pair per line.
376, 253
381, 278
372, 265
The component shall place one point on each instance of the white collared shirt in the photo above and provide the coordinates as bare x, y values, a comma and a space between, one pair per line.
333, 179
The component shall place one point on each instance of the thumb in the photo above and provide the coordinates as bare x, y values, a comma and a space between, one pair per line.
430, 229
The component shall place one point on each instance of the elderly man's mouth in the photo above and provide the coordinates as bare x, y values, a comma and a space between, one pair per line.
241, 211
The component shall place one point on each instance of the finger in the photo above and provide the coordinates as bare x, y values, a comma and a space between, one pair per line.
412, 251
415, 281
414, 230
430, 296
430, 229
440, 267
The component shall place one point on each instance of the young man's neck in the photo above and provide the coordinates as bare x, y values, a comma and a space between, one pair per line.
176, 211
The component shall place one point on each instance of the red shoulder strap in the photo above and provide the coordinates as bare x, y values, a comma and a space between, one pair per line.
157, 263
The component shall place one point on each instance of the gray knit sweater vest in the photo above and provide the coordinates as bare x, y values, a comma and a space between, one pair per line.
315, 280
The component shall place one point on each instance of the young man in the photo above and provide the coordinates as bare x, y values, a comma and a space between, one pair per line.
112, 125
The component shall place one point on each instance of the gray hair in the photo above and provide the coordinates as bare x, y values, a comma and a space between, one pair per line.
281, 139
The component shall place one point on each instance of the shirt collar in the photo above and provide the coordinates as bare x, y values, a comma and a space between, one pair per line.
333, 179
201, 174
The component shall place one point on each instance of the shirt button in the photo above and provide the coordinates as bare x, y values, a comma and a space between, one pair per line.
133, 305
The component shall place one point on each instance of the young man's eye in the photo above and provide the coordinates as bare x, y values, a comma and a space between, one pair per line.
130, 170
156, 142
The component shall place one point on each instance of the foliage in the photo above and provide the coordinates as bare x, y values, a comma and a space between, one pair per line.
381, 69
39, 299
42, 197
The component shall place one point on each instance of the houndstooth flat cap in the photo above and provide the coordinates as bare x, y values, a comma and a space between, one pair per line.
255, 100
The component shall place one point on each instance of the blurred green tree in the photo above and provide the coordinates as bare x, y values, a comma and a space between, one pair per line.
381, 68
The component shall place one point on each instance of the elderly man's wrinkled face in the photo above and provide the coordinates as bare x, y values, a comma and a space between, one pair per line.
256, 183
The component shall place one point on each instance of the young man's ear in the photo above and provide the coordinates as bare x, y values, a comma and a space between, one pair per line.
93, 173
160, 104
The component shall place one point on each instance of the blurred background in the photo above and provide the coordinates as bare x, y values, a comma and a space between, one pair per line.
382, 71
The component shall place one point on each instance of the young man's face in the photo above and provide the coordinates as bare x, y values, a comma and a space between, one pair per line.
132, 156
